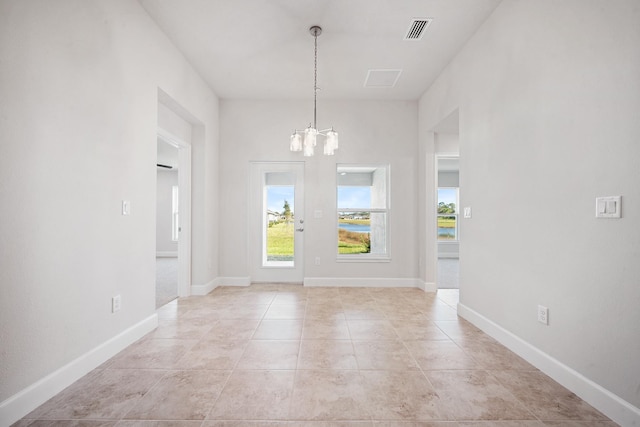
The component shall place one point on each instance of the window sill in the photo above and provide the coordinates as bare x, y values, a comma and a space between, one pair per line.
362, 258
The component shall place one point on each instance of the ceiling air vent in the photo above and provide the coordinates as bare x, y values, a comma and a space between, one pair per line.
382, 78
417, 28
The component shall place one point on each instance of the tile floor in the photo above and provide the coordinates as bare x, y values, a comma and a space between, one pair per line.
271, 355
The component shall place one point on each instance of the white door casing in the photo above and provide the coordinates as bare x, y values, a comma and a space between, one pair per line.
262, 267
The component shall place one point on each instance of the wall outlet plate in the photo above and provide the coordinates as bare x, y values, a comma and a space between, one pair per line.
543, 314
116, 303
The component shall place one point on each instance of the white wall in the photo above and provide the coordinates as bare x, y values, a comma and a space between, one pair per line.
371, 132
549, 96
79, 82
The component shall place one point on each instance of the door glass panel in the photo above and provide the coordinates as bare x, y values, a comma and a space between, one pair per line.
279, 214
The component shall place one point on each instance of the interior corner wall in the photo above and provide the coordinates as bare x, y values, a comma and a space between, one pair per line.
548, 95
79, 83
371, 133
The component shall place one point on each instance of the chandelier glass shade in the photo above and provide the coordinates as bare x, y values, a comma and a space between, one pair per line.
306, 140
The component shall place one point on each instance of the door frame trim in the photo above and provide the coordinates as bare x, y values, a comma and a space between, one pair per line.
184, 203
257, 271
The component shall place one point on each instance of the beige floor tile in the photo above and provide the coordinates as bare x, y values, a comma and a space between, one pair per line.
547, 399
270, 355
475, 395
278, 330
418, 330
232, 329
243, 311
573, 423
526, 423
329, 395
285, 355
208, 313
171, 311
181, 395
327, 354
441, 312
148, 423
105, 394
438, 355
384, 355
401, 311
459, 329
286, 311
255, 395
245, 423
220, 355
374, 329
153, 354
325, 329
364, 312
324, 311
400, 395
65, 423
415, 424
185, 329
493, 355
290, 298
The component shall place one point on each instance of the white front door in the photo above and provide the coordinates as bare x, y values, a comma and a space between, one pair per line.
276, 215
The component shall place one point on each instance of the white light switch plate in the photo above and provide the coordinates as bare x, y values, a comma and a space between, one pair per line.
467, 212
608, 207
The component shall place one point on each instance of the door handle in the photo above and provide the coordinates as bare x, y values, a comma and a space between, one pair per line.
299, 229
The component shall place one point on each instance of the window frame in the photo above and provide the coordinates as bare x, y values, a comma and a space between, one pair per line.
365, 257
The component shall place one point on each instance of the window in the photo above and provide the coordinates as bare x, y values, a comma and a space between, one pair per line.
363, 210
447, 214
279, 208
175, 219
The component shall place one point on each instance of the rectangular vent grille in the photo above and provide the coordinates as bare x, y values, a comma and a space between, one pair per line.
417, 28
382, 78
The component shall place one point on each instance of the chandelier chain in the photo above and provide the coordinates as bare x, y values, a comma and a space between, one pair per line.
315, 80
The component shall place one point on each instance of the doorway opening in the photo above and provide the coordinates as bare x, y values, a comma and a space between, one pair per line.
447, 217
167, 223
173, 267
447, 201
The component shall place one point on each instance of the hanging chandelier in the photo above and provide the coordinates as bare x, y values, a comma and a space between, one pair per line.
305, 141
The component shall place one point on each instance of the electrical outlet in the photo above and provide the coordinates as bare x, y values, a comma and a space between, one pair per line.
116, 303
126, 207
543, 314
317, 260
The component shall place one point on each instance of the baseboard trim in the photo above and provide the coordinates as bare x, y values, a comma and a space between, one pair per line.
25, 401
358, 282
233, 281
429, 287
613, 406
171, 254
219, 281
204, 289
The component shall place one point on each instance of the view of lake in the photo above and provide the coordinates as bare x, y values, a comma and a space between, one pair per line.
356, 228
446, 232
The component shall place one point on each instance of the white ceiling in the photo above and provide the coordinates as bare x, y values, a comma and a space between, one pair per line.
262, 49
